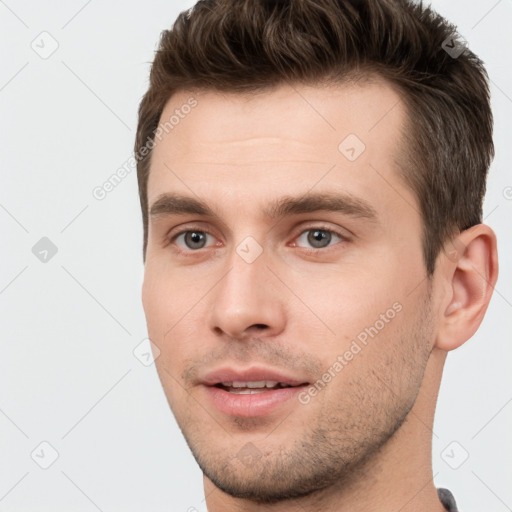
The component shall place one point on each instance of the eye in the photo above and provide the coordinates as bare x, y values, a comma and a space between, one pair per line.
192, 239
318, 238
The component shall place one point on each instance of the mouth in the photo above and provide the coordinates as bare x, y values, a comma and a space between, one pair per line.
252, 388
251, 392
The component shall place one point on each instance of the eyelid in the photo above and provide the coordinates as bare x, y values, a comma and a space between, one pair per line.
185, 228
343, 233
318, 225
172, 238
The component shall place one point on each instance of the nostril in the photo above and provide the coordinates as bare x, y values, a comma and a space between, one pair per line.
260, 326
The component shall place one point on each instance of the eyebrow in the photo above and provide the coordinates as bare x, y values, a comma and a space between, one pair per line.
176, 204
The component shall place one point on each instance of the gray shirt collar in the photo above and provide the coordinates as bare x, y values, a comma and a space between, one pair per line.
447, 500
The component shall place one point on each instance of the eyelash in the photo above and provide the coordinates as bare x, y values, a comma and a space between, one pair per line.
310, 250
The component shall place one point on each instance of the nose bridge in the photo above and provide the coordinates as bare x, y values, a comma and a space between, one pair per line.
244, 298
244, 285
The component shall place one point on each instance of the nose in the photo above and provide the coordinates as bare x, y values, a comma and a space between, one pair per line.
246, 301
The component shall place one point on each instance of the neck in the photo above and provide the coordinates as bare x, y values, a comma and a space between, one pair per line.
397, 478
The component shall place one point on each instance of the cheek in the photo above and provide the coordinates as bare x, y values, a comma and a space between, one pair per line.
173, 315
162, 310
154, 302
166, 297
364, 315
347, 302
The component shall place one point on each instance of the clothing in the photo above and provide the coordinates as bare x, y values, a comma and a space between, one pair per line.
447, 500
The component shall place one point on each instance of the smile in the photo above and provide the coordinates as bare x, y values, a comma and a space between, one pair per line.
250, 388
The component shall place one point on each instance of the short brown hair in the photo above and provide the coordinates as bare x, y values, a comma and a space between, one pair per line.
252, 45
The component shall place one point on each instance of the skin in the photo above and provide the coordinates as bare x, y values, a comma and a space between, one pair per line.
363, 442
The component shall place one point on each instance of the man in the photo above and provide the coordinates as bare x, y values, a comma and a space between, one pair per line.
311, 176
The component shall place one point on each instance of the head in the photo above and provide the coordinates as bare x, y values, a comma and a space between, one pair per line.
311, 177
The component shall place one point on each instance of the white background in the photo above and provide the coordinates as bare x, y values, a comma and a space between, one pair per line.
69, 326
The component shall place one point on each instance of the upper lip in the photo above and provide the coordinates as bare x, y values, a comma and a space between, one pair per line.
252, 374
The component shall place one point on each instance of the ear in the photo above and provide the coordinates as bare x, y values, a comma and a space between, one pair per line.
469, 270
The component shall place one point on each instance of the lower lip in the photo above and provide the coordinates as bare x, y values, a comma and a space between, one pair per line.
251, 405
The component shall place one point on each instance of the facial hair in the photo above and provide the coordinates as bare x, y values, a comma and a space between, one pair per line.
351, 424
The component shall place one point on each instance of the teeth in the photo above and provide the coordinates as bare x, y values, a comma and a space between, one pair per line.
249, 388
246, 391
251, 385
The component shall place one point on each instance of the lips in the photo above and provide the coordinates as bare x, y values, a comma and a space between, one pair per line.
233, 377
251, 392
250, 388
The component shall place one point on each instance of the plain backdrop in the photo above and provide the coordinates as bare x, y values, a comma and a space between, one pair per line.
76, 393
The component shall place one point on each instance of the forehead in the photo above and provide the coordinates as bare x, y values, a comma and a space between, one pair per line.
290, 139
318, 115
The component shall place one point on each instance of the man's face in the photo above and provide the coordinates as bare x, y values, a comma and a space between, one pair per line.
252, 288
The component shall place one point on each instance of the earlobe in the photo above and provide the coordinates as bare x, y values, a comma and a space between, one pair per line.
471, 279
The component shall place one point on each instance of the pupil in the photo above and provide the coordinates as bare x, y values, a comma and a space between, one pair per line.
319, 238
195, 239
